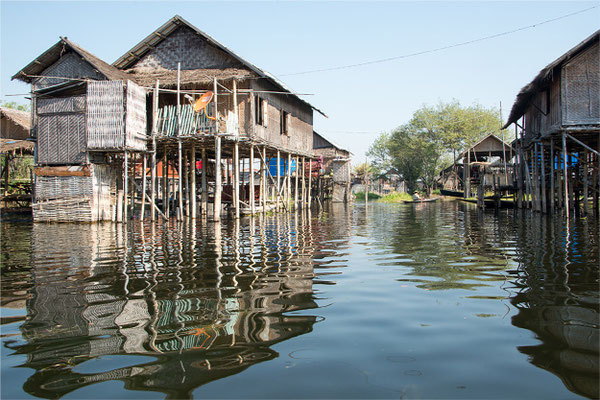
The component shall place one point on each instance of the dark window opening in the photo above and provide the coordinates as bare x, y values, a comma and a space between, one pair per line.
258, 111
284, 122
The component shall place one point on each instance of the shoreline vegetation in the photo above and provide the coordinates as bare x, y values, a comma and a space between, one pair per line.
393, 197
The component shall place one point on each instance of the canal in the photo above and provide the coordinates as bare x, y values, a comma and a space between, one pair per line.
436, 300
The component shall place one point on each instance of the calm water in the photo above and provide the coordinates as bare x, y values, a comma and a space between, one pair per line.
396, 301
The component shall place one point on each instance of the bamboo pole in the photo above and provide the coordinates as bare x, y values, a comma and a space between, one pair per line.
179, 145
153, 162
193, 179
565, 172
252, 205
204, 182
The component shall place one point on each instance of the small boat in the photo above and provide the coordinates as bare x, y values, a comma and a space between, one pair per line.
422, 200
453, 193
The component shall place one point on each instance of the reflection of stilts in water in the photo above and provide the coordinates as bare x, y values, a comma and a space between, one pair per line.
176, 316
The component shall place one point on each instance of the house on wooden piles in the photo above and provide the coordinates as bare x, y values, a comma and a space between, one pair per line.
14, 146
557, 120
94, 121
88, 116
336, 168
388, 182
487, 163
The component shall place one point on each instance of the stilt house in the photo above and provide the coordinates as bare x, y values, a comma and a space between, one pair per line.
336, 164
93, 121
558, 114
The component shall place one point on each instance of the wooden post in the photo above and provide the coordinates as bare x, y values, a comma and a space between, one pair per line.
309, 191
543, 176
236, 178
585, 182
278, 185
296, 185
165, 188
303, 197
193, 179
264, 179
153, 162
468, 175
251, 183
204, 182
186, 184
288, 194
125, 185
179, 145
144, 167
552, 172
565, 174
218, 188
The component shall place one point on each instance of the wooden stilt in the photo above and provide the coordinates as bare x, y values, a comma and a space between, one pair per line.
218, 188
251, 183
236, 179
565, 174
552, 172
204, 182
543, 176
165, 184
303, 197
296, 184
585, 182
186, 185
264, 179
144, 167
288, 192
125, 185
194, 191
309, 191
153, 162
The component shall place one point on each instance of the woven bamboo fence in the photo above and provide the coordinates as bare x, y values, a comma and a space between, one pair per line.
135, 117
105, 115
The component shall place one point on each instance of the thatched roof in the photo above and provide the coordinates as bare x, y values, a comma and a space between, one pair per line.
168, 78
54, 53
9, 145
543, 79
128, 60
21, 118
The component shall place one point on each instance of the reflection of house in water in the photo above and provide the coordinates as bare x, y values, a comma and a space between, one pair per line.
558, 301
206, 308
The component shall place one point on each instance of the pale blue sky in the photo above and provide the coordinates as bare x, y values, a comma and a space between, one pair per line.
289, 37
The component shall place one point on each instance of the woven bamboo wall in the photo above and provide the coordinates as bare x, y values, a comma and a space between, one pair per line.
135, 117
105, 115
192, 51
76, 198
581, 88
70, 65
61, 130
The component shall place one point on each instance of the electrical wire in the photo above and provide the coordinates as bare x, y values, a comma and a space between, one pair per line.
388, 59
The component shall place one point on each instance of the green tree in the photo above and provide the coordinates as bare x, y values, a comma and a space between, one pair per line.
433, 137
15, 105
379, 154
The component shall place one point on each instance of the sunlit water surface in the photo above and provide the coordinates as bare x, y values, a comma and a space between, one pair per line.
390, 301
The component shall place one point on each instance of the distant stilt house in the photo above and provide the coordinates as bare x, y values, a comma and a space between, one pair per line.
14, 145
176, 98
389, 181
557, 124
336, 167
